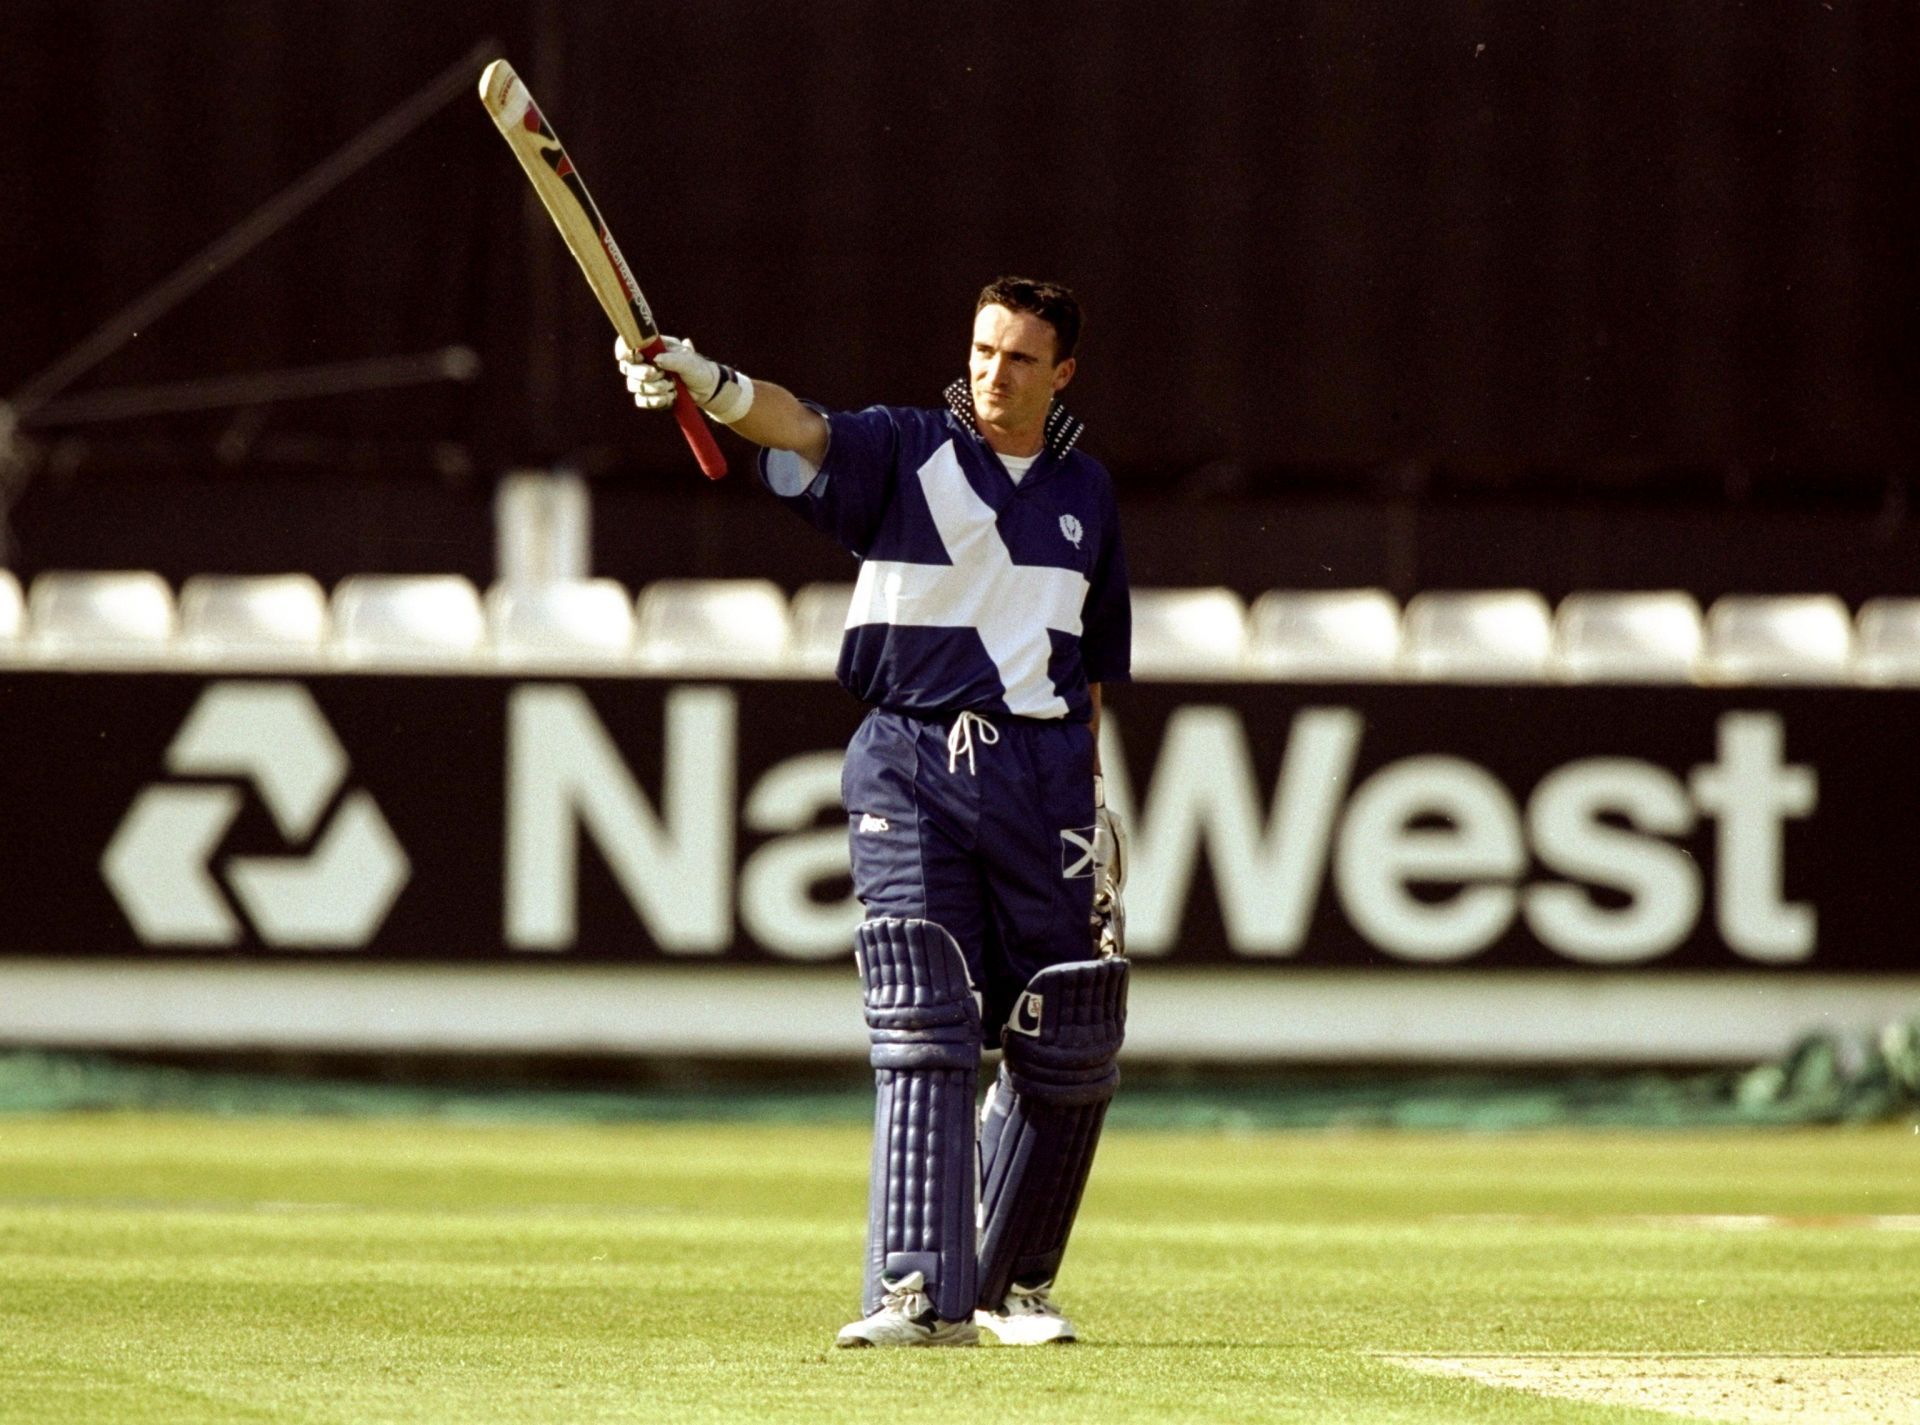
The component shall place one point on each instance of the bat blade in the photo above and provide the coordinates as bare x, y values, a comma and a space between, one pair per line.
564, 194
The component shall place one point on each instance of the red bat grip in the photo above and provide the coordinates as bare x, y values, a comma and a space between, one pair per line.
699, 435
693, 425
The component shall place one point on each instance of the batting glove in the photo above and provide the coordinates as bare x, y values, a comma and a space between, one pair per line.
1109, 874
720, 391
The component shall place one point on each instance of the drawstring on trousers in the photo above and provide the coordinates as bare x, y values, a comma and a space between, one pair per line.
960, 739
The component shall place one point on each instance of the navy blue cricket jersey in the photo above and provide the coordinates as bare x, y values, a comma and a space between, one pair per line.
975, 593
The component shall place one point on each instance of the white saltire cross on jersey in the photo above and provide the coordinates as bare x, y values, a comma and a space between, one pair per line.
1011, 605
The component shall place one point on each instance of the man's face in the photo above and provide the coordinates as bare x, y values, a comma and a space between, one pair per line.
1012, 370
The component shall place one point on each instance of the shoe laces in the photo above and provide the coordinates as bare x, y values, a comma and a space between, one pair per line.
1031, 1300
908, 1296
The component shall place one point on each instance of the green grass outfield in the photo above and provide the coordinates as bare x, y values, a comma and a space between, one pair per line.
158, 1268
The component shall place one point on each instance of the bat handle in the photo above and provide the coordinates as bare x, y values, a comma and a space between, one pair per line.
693, 425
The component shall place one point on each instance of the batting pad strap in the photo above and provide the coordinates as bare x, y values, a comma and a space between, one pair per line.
1065, 1031
921, 1010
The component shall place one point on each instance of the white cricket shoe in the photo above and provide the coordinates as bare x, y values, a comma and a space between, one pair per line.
906, 1318
1028, 1317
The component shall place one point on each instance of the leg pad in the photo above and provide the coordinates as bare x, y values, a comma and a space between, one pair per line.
924, 1023
1043, 1119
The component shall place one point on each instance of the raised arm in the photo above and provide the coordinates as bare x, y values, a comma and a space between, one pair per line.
760, 411
778, 420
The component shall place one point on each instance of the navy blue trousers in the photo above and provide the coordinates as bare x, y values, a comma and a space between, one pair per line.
998, 854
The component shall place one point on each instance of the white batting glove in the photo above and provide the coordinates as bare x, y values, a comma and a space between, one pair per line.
720, 391
1109, 874
653, 389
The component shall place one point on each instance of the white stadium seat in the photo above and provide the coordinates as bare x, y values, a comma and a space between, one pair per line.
561, 621
268, 618
712, 626
104, 617
1482, 635
12, 607
1324, 633
1779, 638
1652, 637
407, 620
1887, 641
1189, 633
818, 619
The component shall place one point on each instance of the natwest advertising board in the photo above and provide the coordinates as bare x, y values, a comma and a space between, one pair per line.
1384, 826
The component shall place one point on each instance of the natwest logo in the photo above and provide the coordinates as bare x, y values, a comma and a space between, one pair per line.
1431, 858
160, 864
1449, 826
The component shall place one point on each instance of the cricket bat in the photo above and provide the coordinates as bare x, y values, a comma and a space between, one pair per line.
558, 183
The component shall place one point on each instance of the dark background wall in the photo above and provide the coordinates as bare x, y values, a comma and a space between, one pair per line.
1456, 292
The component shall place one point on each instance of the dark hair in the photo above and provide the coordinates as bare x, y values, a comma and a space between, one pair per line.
1049, 301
